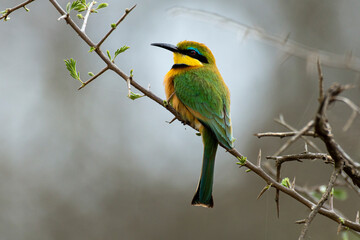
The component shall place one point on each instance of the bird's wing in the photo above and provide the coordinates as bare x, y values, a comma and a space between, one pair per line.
206, 96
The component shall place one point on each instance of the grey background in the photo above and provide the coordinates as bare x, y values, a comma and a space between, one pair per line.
93, 164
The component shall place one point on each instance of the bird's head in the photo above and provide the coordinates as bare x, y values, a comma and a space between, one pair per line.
189, 53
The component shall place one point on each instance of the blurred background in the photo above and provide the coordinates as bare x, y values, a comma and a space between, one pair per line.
93, 164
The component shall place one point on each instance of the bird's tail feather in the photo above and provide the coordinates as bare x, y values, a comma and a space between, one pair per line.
203, 196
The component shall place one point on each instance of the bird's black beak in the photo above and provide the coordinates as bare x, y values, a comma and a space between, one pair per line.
166, 46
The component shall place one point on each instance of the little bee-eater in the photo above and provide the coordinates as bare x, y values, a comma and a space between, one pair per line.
195, 88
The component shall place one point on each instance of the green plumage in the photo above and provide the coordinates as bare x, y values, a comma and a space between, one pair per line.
202, 98
202, 90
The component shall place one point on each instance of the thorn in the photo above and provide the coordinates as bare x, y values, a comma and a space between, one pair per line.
263, 191
170, 97
339, 228
281, 118
287, 38
302, 221
306, 147
128, 85
259, 158
293, 184
62, 17
171, 121
277, 204
357, 219
149, 87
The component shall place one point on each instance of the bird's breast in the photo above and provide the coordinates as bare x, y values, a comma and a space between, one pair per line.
175, 102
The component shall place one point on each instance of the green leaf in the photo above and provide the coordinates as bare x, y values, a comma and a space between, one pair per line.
108, 53
134, 96
79, 6
26, 9
345, 235
80, 16
68, 7
242, 161
286, 182
121, 50
91, 74
340, 194
102, 5
71, 67
316, 194
342, 220
92, 49
113, 25
131, 73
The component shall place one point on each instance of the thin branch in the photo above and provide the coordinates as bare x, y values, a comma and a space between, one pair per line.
87, 16
355, 111
127, 11
294, 194
94, 77
285, 124
10, 10
257, 170
295, 137
301, 156
290, 47
324, 197
283, 134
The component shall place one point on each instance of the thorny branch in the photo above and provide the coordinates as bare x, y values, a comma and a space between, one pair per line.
285, 124
324, 197
283, 134
301, 156
323, 129
10, 10
337, 156
334, 149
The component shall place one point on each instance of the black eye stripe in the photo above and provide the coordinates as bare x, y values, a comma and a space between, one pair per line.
194, 54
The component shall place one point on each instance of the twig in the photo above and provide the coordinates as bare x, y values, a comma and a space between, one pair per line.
290, 47
295, 137
94, 77
127, 11
283, 134
10, 10
285, 124
87, 16
259, 159
128, 83
298, 157
355, 111
278, 163
257, 170
324, 197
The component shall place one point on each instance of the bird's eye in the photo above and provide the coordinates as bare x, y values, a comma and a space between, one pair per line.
192, 52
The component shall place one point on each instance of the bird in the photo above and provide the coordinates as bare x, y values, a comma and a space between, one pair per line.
196, 90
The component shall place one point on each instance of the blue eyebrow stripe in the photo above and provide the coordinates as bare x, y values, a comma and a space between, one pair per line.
195, 49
